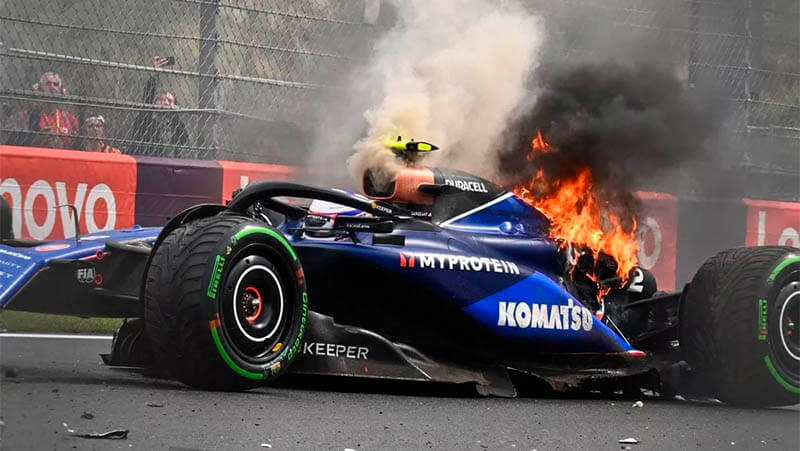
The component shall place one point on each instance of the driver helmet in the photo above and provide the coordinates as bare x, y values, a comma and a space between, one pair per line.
322, 214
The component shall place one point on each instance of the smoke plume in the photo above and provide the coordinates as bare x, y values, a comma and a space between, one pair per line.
625, 123
451, 73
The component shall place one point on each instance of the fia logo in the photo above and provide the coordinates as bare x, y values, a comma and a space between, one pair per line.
85, 275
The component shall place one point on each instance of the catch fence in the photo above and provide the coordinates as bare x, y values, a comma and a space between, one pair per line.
248, 74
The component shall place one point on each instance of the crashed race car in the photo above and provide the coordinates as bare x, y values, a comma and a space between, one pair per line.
436, 275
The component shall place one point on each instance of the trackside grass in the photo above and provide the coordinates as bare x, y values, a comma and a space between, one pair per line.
13, 321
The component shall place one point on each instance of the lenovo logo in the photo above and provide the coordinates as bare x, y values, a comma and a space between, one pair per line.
35, 208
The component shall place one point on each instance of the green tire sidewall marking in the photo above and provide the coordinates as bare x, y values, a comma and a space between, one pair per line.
772, 370
791, 388
265, 231
239, 370
249, 230
786, 262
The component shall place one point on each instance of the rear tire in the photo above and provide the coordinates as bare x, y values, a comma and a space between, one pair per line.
225, 303
737, 326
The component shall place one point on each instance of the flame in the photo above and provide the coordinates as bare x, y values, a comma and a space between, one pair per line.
576, 216
539, 147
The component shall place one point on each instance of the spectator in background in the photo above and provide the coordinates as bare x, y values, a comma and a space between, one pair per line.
51, 126
153, 127
95, 130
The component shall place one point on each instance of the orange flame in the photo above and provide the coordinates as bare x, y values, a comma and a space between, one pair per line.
576, 217
539, 147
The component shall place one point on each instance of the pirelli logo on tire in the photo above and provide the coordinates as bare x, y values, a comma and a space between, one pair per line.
762, 319
216, 277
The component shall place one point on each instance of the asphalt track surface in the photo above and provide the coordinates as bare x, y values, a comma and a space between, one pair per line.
47, 382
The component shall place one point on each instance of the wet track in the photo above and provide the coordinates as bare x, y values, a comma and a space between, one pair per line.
47, 382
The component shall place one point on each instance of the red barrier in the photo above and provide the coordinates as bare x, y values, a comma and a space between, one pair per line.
107, 189
38, 183
237, 175
657, 236
771, 223
166, 186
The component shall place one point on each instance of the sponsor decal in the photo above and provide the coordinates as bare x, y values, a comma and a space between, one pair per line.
421, 214
51, 247
467, 185
85, 275
379, 207
14, 254
216, 276
762, 319
358, 225
452, 262
10, 264
101, 188
657, 237
336, 350
544, 316
275, 367
772, 223
303, 319
36, 207
407, 262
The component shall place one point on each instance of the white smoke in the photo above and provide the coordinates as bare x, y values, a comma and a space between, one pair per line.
451, 73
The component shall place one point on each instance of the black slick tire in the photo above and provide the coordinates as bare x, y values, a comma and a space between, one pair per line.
735, 330
225, 303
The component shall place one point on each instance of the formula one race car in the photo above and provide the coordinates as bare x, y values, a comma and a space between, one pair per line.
439, 276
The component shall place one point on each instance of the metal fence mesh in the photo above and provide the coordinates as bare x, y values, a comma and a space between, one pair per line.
247, 74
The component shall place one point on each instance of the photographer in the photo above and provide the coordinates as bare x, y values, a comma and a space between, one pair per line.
155, 127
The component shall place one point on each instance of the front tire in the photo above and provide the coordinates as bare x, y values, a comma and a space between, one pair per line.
225, 303
738, 327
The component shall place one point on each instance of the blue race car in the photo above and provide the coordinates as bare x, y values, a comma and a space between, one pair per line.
433, 275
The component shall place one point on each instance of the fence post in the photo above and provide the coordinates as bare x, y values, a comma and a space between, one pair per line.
694, 29
4, 108
208, 125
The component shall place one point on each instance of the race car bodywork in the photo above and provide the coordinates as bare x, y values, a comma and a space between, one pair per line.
444, 277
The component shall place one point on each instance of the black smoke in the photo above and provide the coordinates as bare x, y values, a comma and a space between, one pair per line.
627, 124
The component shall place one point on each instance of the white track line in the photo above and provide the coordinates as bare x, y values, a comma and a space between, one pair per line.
57, 336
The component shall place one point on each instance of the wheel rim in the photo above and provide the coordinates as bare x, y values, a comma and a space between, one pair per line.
784, 344
254, 310
255, 315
